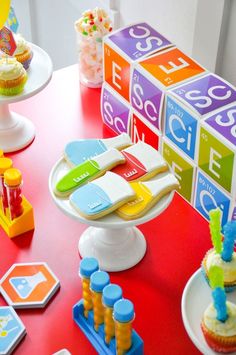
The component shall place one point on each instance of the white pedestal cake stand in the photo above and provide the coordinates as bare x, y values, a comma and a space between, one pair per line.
16, 131
116, 243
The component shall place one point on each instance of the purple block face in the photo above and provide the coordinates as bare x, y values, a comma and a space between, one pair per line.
115, 114
224, 122
146, 98
206, 94
139, 40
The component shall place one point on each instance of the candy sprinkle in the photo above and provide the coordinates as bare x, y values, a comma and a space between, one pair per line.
85, 33
94, 27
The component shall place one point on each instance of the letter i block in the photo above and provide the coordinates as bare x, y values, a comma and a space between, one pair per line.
123, 47
217, 149
141, 130
187, 104
209, 196
182, 167
151, 77
115, 110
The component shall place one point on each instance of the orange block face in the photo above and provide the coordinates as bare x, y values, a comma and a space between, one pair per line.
172, 67
116, 71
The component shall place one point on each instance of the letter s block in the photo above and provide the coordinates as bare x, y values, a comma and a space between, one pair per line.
125, 46
115, 110
152, 76
217, 148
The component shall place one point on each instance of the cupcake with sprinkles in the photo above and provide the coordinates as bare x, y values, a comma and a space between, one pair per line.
222, 254
219, 319
23, 52
12, 76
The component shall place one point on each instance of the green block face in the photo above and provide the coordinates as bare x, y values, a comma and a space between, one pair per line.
183, 171
216, 159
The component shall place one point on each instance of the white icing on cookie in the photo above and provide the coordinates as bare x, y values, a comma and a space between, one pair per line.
158, 185
118, 142
147, 155
109, 158
115, 187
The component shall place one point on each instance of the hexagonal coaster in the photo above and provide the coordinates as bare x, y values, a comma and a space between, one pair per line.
12, 330
29, 285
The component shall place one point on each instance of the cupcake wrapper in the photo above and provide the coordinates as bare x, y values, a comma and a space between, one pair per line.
27, 62
13, 90
219, 343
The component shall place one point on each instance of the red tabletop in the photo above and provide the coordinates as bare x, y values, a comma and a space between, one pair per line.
176, 241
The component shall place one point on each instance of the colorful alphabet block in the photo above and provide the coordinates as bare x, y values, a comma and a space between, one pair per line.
218, 147
208, 196
182, 167
181, 127
115, 110
233, 211
125, 46
141, 130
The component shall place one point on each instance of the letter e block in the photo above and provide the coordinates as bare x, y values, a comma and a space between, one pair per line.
125, 46
182, 167
115, 110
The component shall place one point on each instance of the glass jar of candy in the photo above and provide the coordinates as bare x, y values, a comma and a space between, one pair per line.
13, 183
90, 29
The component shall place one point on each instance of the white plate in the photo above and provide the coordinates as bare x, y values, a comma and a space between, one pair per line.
196, 298
39, 75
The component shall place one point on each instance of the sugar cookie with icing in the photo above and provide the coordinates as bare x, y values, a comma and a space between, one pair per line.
142, 162
102, 196
87, 171
147, 195
76, 152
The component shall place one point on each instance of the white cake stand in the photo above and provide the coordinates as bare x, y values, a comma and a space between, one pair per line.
16, 131
116, 243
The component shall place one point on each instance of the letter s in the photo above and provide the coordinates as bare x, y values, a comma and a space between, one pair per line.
190, 95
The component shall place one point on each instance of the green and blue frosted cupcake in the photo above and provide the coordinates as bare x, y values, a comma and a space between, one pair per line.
12, 77
222, 254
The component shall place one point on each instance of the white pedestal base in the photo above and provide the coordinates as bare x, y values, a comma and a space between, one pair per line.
115, 249
16, 131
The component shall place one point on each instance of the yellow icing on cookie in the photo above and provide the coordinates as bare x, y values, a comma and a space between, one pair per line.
143, 198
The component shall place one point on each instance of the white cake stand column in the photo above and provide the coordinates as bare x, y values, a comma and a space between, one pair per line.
115, 249
16, 131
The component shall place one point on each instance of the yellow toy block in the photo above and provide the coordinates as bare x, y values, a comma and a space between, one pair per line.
21, 224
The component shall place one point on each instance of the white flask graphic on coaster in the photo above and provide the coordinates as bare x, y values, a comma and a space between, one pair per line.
25, 285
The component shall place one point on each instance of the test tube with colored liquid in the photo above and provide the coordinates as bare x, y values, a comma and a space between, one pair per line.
123, 317
5, 164
98, 281
13, 183
87, 267
110, 295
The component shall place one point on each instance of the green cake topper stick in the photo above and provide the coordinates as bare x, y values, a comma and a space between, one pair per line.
216, 277
215, 229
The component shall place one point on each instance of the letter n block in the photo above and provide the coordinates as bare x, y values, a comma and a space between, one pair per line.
152, 76
209, 196
182, 167
115, 110
123, 47
141, 130
217, 148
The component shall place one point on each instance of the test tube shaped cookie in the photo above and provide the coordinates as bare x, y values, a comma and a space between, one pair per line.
76, 152
87, 171
142, 162
102, 196
147, 195
87, 267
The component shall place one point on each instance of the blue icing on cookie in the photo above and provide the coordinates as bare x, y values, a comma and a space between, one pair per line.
90, 199
78, 151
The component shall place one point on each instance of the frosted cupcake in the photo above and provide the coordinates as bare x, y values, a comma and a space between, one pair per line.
219, 319
12, 77
23, 52
222, 254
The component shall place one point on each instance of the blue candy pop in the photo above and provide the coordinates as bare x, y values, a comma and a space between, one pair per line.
229, 230
218, 293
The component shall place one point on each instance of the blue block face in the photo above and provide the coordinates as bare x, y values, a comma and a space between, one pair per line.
208, 197
181, 127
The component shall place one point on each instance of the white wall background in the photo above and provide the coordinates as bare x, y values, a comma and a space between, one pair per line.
205, 29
